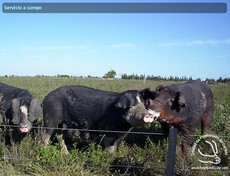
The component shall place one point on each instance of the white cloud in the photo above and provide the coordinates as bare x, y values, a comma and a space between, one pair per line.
54, 47
227, 41
195, 43
121, 45
36, 57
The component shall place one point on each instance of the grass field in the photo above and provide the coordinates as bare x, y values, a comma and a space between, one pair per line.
140, 155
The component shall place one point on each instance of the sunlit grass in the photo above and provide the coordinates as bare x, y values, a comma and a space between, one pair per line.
140, 155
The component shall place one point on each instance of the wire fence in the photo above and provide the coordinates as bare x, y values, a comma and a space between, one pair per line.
87, 130
128, 166
102, 131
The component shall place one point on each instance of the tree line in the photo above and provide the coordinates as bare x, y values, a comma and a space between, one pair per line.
112, 73
155, 78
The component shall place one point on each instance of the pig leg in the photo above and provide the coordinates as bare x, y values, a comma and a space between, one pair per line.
208, 112
113, 148
112, 143
187, 139
46, 139
63, 146
51, 125
48, 135
206, 120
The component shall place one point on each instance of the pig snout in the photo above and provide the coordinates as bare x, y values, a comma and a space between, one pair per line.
24, 128
154, 115
148, 118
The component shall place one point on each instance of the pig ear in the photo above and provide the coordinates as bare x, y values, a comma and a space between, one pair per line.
160, 88
15, 111
180, 99
123, 102
120, 105
148, 94
35, 109
178, 102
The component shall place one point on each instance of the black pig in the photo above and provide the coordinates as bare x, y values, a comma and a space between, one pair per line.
18, 108
88, 108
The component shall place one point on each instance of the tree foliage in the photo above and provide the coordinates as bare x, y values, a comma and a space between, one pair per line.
155, 78
110, 74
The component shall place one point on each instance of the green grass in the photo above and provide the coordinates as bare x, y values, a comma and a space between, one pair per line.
147, 156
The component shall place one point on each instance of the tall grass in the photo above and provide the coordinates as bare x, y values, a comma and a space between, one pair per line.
139, 155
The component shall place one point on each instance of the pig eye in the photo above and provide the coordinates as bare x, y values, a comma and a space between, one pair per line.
127, 107
170, 103
147, 104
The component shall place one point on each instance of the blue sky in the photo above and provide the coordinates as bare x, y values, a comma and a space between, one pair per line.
196, 45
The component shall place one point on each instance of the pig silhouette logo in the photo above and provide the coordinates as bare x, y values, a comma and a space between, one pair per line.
211, 152
215, 159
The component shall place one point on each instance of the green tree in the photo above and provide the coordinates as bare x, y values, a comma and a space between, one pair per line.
110, 74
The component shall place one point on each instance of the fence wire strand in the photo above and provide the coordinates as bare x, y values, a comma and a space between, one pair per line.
101, 131
128, 166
